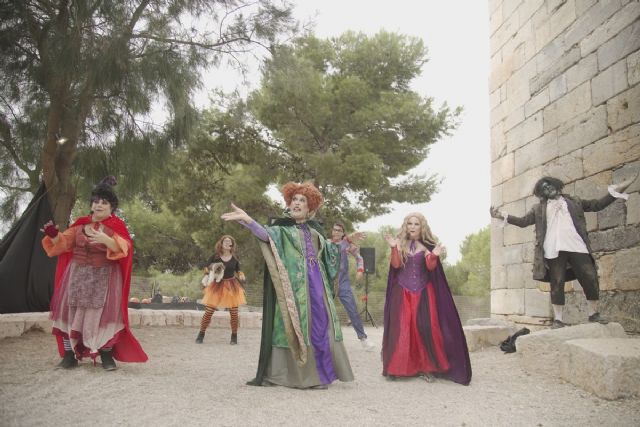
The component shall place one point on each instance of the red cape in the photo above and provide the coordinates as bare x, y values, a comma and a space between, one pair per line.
127, 348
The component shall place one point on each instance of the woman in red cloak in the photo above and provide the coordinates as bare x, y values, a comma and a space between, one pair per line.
89, 303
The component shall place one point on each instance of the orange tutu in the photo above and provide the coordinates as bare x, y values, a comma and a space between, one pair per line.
227, 293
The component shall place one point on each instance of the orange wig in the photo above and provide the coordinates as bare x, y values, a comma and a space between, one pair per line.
307, 189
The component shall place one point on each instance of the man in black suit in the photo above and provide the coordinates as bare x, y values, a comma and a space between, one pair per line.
562, 248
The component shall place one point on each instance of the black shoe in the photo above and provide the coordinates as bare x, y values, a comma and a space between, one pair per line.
596, 318
234, 339
200, 337
68, 361
108, 364
557, 324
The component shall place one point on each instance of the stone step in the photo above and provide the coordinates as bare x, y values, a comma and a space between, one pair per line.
480, 336
607, 367
601, 359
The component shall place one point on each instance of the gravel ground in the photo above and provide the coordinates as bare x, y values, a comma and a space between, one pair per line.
184, 384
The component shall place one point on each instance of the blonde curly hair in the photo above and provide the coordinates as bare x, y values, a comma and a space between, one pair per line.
426, 236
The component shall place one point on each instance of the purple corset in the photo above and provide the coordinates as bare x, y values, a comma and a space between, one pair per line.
413, 276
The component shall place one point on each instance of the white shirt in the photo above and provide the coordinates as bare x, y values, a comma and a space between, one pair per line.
561, 233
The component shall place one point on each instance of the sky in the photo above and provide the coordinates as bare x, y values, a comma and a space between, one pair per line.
456, 34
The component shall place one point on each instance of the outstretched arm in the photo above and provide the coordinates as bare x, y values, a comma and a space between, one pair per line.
525, 221
243, 218
615, 192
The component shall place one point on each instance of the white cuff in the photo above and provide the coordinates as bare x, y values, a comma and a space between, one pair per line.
504, 219
614, 193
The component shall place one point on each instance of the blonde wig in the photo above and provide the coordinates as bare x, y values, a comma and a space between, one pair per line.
426, 237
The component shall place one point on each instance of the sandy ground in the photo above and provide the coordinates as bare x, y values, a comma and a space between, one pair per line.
185, 384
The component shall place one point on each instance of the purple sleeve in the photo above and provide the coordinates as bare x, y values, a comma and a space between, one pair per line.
257, 230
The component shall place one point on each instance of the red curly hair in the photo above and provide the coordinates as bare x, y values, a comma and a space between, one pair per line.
307, 189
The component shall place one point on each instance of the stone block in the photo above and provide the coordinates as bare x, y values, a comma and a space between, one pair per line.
559, 18
527, 10
496, 195
515, 235
566, 168
609, 82
146, 317
626, 274
507, 301
498, 141
557, 87
633, 209
622, 307
498, 277
625, 42
590, 20
495, 20
505, 32
498, 113
624, 110
135, 317
633, 68
593, 187
569, 106
541, 351
620, 148
520, 186
536, 153
547, 71
479, 337
591, 219
530, 129
502, 169
537, 303
615, 238
582, 71
11, 326
37, 321
174, 317
605, 272
612, 216
606, 367
518, 275
537, 102
512, 254
582, 130
620, 20
514, 118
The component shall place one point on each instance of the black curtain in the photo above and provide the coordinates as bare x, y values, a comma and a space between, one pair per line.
26, 272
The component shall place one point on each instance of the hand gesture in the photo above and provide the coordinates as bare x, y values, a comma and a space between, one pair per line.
50, 229
359, 275
95, 236
439, 250
495, 213
236, 214
356, 236
392, 241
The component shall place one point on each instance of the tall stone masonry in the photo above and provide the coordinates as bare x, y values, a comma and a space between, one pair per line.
565, 102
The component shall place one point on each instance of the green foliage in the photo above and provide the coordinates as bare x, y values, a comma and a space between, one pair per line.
341, 113
186, 284
472, 274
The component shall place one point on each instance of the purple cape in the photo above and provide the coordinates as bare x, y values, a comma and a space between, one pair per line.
455, 344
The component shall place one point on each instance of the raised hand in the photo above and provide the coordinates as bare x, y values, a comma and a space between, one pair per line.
50, 229
236, 214
439, 250
98, 235
495, 212
392, 241
356, 236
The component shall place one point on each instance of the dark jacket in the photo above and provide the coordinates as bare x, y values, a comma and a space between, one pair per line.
538, 216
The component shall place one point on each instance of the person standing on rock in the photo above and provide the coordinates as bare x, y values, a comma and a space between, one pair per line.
225, 291
89, 303
562, 248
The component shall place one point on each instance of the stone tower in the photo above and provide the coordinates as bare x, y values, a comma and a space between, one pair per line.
565, 101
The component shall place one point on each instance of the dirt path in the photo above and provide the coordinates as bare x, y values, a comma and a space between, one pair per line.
185, 384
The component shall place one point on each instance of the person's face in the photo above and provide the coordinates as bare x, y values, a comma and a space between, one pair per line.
227, 244
549, 191
414, 228
298, 208
101, 209
337, 233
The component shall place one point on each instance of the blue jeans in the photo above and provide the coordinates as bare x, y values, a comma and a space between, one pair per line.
349, 302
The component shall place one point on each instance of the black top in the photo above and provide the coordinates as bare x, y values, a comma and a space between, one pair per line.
230, 267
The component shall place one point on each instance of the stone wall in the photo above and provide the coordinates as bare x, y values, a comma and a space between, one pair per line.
565, 101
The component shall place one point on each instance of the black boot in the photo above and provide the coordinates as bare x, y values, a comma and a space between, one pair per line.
68, 361
108, 364
200, 337
234, 338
